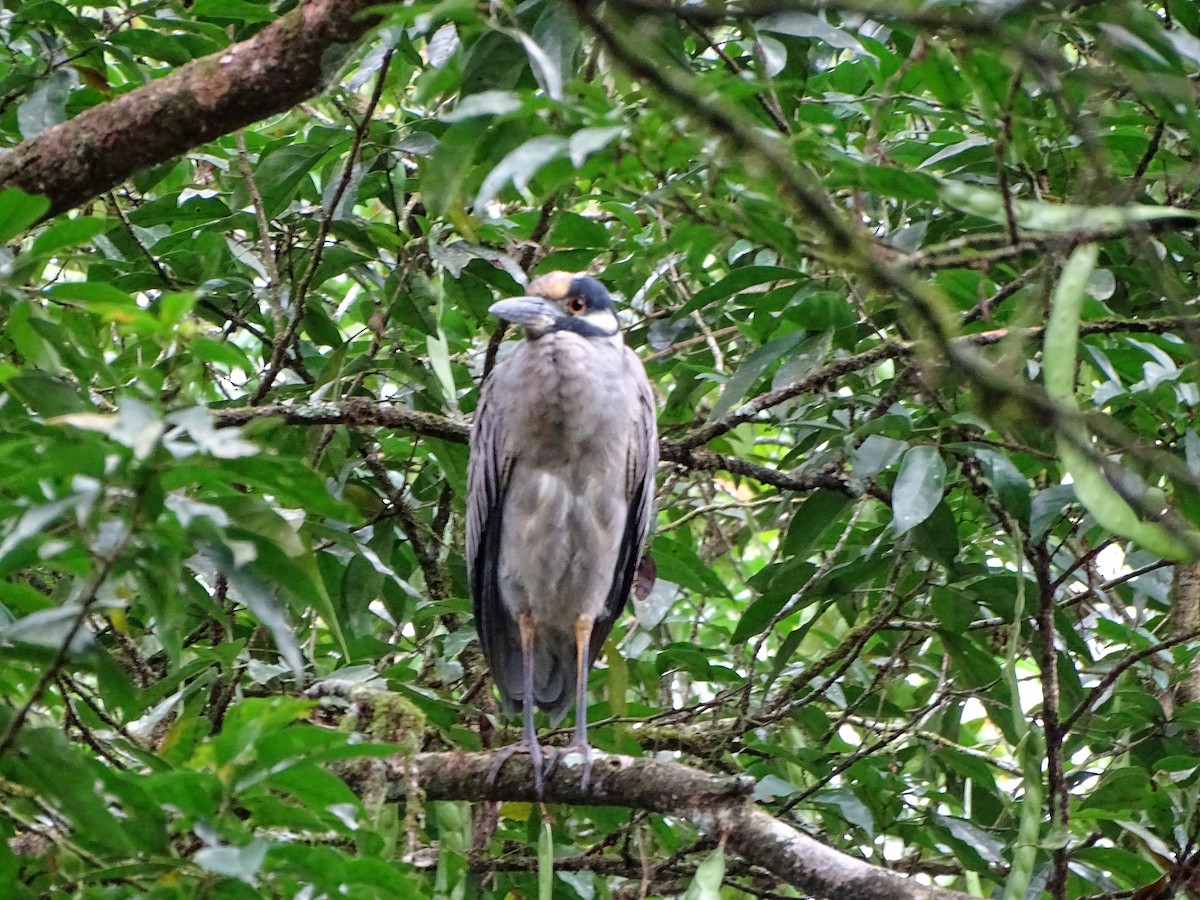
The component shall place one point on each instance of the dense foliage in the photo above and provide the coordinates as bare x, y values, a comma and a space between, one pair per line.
836, 234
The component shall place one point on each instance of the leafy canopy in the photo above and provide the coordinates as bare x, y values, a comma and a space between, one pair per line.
895, 577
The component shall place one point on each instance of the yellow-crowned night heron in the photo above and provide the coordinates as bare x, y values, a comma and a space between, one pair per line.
560, 490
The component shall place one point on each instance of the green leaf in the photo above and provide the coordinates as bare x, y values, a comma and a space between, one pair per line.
735, 281
106, 301
679, 563
242, 863
545, 68
546, 862
875, 454
485, 103
816, 516
1048, 507
587, 141
520, 166
971, 664
1119, 792
919, 486
67, 783
1093, 485
937, 537
988, 850
46, 105
69, 233
454, 825
1131, 869
18, 211
850, 806
1006, 479
803, 24
706, 884
439, 361
46, 396
153, 45
751, 370
261, 599
954, 610
280, 175
1058, 217
236, 10
760, 612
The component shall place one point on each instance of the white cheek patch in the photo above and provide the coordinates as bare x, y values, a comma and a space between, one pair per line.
604, 319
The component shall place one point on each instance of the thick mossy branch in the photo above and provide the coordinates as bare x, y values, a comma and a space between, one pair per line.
270, 73
382, 717
716, 805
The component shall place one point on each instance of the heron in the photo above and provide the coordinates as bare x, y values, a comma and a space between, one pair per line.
560, 493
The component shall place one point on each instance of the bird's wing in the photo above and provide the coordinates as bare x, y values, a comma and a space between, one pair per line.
641, 461
488, 474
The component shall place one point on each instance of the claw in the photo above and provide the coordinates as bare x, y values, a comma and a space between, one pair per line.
583, 750
586, 778
536, 758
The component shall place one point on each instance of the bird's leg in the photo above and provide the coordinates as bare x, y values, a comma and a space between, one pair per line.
528, 742
583, 639
530, 738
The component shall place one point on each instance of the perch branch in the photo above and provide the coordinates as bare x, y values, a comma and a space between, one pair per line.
716, 805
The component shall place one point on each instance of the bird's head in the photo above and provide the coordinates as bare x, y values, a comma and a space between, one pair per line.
561, 301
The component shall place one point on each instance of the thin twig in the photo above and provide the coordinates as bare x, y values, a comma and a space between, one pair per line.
87, 600
1096, 694
300, 296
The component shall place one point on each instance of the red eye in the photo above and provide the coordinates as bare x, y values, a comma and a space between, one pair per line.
576, 305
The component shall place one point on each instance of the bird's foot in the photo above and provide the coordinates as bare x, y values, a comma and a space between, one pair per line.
585, 751
536, 757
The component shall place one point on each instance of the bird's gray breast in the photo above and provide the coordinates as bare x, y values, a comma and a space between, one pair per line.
570, 419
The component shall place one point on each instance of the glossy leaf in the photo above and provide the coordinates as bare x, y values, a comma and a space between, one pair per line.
919, 485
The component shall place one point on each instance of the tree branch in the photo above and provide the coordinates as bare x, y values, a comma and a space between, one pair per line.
822, 378
355, 412
716, 805
364, 412
839, 368
927, 19
1100, 690
270, 73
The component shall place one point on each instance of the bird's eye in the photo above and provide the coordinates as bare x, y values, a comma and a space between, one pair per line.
576, 305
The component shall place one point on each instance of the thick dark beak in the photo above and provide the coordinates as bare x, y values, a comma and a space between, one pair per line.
531, 312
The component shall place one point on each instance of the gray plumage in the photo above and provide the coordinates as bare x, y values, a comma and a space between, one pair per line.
560, 492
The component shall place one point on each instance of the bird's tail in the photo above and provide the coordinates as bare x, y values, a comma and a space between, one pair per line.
553, 673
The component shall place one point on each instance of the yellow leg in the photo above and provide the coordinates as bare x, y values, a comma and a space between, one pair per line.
529, 742
528, 631
583, 639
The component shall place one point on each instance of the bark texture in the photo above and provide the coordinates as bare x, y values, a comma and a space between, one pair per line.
270, 73
1184, 618
717, 805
